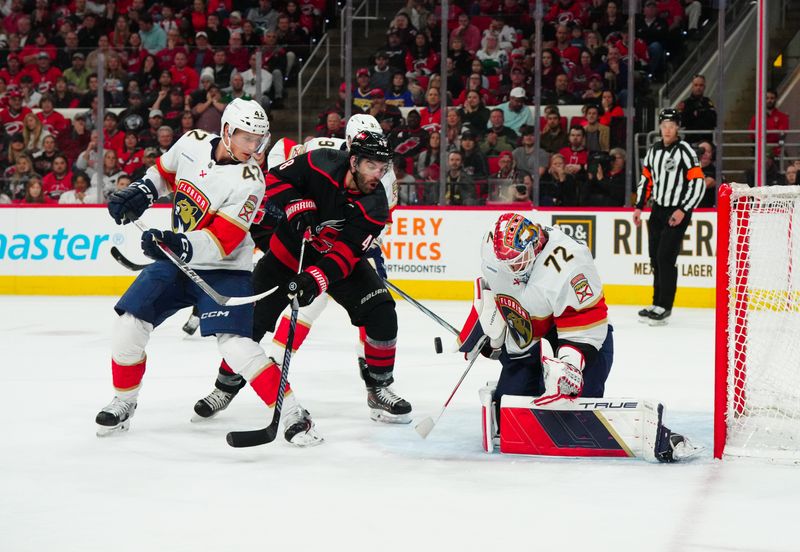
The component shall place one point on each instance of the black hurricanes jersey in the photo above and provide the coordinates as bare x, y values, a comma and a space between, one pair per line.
348, 221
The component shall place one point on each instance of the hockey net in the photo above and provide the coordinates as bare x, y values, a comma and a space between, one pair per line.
757, 411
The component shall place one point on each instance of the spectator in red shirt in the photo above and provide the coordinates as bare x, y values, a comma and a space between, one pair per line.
237, 55
564, 11
166, 57
183, 75
39, 45
469, 34
610, 108
564, 47
12, 116
136, 54
53, 121
576, 156
431, 114
13, 72
131, 156
59, 180
198, 16
551, 68
777, 121
113, 138
421, 59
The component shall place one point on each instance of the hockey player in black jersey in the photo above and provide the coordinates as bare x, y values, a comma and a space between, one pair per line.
338, 196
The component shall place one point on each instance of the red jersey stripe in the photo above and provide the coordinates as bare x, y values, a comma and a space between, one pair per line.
165, 174
226, 234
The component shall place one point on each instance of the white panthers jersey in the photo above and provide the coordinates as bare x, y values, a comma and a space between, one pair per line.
284, 149
563, 290
214, 204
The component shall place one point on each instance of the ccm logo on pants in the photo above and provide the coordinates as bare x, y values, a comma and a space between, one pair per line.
214, 314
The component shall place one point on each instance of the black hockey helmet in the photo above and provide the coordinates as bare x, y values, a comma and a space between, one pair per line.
371, 145
670, 114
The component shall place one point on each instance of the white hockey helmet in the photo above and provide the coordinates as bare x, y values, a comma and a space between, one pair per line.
246, 115
360, 122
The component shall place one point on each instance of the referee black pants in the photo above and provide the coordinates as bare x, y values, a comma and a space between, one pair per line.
664, 245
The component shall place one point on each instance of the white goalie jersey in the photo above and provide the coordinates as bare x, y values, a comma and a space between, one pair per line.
563, 290
214, 204
284, 149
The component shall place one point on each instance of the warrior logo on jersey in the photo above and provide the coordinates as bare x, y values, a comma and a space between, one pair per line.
582, 288
517, 318
190, 206
248, 208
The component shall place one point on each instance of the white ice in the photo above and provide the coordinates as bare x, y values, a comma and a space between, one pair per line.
170, 485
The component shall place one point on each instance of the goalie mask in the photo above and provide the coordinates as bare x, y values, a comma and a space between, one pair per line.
516, 242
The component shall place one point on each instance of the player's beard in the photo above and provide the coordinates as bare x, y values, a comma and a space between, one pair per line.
366, 185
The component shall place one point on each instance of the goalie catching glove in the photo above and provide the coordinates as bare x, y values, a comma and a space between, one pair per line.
484, 321
563, 376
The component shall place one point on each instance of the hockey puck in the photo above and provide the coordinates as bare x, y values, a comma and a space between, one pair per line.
437, 345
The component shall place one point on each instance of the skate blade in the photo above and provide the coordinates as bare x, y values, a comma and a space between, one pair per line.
685, 452
644, 320
197, 418
656, 323
106, 431
386, 418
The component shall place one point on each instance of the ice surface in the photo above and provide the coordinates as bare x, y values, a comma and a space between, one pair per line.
170, 485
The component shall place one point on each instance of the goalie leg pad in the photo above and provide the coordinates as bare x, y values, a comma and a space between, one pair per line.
488, 417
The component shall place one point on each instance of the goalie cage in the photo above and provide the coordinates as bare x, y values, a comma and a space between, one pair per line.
757, 383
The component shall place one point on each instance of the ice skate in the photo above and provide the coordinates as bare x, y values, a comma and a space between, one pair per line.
115, 417
298, 427
386, 406
644, 314
214, 403
674, 447
659, 316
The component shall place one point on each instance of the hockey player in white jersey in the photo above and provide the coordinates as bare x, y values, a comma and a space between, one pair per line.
540, 292
217, 188
228, 384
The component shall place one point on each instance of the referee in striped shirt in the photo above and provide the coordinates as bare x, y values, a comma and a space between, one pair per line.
673, 181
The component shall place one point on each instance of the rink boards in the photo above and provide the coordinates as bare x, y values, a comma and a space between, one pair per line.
431, 253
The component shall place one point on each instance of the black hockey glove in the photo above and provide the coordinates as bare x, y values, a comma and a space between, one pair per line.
177, 243
307, 285
302, 214
375, 257
129, 204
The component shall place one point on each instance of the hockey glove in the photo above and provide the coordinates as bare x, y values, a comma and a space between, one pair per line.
563, 376
302, 214
375, 257
153, 240
129, 203
307, 285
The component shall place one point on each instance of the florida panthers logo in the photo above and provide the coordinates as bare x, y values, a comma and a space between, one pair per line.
189, 207
519, 321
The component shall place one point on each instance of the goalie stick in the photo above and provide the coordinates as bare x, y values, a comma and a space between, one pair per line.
224, 300
255, 437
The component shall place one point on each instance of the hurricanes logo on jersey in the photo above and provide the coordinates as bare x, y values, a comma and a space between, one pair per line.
518, 320
189, 207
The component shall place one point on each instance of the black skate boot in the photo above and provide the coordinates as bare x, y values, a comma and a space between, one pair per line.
644, 314
225, 389
115, 417
385, 405
363, 370
659, 316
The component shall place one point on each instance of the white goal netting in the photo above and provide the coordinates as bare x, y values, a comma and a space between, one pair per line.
763, 372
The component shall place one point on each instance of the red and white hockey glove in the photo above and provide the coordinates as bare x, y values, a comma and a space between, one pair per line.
563, 376
307, 285
302, 214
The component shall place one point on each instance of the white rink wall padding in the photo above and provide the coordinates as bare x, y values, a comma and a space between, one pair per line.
431, 253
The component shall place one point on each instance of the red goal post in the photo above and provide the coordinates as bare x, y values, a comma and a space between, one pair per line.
757, 383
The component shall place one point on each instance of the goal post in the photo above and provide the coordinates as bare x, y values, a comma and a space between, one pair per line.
757, 382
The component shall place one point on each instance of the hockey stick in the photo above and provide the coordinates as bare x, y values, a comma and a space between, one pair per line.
218, 298
426, 425
125, 261
441, 321
255, 437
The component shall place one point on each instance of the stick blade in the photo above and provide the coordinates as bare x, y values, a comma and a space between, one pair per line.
253, 438
234, 301
425, 427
